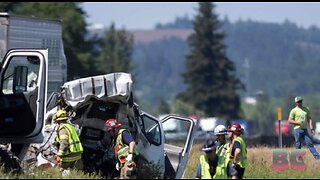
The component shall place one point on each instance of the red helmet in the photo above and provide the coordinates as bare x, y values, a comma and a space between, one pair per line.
111, 124
235, 128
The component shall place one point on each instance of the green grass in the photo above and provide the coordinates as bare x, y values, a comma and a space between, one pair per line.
260, 165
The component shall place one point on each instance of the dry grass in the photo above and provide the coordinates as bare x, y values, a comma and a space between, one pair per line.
48, 173
260, 164
260, 167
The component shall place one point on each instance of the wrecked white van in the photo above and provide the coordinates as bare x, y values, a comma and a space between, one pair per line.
98, 98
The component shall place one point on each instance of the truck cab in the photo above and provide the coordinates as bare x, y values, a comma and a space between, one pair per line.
23, 94
17, 31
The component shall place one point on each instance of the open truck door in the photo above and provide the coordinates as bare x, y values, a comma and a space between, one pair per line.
23, 97
178, 144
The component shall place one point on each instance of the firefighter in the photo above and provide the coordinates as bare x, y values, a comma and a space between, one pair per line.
212, 166
237, 149
125, 148
69, 146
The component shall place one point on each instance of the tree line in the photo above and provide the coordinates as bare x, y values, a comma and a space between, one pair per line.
113, 52
208, 74
90, 56
279, 59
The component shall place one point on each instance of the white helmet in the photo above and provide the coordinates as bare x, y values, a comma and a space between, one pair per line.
220, 129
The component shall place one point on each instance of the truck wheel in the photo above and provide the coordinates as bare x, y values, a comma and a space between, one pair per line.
8, 162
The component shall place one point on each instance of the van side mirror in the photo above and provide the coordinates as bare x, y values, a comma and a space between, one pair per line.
20, 79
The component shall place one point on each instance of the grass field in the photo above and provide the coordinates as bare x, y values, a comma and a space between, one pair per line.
260, 165
49, 173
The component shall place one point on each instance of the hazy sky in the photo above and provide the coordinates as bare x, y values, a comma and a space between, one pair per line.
145, 15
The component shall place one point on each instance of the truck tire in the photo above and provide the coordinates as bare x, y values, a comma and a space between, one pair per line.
9, 163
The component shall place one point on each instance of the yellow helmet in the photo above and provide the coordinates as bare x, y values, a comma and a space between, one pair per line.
61, 115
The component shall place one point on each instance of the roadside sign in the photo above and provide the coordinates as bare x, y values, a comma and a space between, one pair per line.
279, 113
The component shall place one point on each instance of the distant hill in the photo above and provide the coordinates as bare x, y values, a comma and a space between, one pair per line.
279, 59
148, 36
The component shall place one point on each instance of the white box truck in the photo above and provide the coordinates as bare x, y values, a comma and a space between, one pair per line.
30, 32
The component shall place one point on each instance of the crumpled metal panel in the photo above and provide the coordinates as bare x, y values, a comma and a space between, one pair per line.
114, 86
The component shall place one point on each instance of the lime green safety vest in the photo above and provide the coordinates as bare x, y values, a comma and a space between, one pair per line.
243, 163
221, 169
121, 149
222, 153
75, 146
222, 150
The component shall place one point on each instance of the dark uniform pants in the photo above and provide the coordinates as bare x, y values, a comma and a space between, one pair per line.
240, 171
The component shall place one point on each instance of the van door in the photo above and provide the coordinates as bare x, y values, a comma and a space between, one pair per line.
151, 143
179, 134
23, 94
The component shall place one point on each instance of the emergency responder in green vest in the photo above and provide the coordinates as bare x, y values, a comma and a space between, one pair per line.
238, 149
220, 132
212, 166
222, 144
69, 146
125, 148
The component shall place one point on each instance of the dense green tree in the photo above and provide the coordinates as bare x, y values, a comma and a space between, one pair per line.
286, 104
8, 6
158, 66
265, 114
180, 23
210, 75
185, 109
164, 107
115, 52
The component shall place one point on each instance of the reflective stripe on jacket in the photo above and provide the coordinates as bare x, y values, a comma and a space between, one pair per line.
121, 149
222, 153
243, 161
74, 149
222, 150
221, 169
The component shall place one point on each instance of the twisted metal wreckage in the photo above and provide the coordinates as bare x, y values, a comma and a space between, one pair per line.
90, 102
